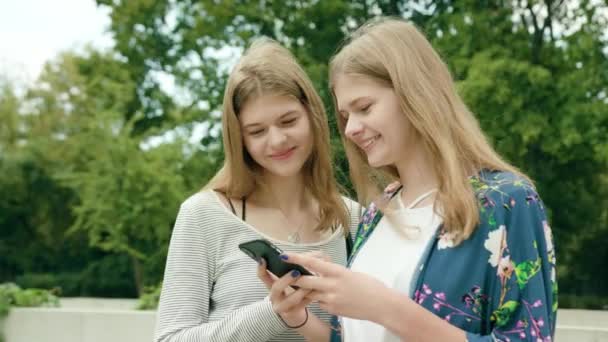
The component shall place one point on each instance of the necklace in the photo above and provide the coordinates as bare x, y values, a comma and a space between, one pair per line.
294, 236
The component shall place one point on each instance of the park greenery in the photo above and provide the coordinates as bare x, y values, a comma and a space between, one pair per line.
98, 153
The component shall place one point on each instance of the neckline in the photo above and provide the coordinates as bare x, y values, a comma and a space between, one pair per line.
268, 237
415, 201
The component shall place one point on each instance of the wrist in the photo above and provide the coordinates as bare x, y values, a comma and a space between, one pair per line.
295, 321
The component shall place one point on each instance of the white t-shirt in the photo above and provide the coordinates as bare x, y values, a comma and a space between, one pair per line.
390, 254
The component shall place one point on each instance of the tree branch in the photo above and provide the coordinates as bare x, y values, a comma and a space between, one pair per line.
533, 15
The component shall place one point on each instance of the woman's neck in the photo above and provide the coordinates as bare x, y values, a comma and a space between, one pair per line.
288, 194
417, 175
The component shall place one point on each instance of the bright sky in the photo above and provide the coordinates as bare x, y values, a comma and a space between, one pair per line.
35, 31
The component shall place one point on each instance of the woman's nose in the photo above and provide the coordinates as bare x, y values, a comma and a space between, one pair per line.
353, 127
277, 136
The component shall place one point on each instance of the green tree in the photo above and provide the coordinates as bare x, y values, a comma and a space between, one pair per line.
127, 195
534, 72
75, 161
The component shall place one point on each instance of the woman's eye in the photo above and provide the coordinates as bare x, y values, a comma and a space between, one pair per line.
289, 122
256, 132
366, 108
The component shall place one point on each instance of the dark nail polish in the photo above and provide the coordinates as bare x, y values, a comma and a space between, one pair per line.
295, 273
284, 257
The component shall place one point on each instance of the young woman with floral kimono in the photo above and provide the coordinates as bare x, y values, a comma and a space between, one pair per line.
462, 250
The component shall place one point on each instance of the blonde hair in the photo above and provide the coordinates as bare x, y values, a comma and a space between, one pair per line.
269, 68
395, 52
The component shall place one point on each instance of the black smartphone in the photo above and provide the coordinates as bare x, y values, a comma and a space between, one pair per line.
264, 249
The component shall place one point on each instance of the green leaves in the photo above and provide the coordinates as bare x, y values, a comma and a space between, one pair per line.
503, 314
525, 271
71, 147
13, 295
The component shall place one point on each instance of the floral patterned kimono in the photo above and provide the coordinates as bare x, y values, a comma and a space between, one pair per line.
498, 285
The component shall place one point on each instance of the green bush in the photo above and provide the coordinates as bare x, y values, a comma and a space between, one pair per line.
13, 295
149, 299
567, 301
65, 284
109, 276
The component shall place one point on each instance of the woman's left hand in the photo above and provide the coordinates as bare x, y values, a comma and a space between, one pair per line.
339, 290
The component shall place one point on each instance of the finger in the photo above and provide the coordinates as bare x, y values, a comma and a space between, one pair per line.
292, 301
264, 276
317, 284
280, 286
304, 303
313, 264
392, 187
315, 296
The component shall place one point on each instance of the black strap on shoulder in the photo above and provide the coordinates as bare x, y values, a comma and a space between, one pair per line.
243, 208
231, 206
234, 210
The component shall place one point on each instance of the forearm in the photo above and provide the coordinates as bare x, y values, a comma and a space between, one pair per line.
411, 322
315, 330
254, 322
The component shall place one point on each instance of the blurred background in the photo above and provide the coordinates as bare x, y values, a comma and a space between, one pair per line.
109, 118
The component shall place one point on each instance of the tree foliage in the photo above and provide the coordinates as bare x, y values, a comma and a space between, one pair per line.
97, 150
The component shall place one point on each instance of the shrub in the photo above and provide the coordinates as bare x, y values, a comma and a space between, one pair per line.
149, 299
13, 295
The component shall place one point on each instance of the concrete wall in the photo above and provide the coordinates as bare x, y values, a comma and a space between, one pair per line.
95, 320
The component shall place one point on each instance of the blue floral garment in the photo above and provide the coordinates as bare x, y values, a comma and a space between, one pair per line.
498, 285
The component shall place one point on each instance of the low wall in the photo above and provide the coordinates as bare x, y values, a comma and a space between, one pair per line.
102, 320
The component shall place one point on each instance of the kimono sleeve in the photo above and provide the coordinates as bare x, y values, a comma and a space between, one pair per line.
523, 297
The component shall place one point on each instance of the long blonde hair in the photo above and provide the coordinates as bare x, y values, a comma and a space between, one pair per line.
395, 52
269, 68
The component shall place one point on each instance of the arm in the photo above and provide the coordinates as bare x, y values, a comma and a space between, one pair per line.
524, 298
315, 330
411, 322
183, 313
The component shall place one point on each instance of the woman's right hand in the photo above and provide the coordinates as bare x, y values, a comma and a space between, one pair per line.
290, 304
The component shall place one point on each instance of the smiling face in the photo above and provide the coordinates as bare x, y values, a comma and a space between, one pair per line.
373, 119
277, 133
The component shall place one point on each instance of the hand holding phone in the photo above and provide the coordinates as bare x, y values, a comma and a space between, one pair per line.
264, 249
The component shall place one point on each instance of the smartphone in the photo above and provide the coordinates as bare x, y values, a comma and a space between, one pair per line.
264, 249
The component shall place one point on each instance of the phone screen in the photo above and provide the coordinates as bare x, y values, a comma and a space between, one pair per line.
264, 249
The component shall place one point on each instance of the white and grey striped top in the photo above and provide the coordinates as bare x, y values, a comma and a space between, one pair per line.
211, 291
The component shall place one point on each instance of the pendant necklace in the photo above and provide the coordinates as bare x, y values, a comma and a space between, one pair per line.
294, 236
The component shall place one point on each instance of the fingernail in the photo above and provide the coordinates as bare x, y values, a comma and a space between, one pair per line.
295, 273
284, 257
261, 262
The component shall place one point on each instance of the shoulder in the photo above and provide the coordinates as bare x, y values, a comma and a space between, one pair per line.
201, 221
351, 204
202, 206
201, 200
503, 188
510, 202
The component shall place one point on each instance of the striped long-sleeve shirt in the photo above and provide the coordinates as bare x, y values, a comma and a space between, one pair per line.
211, 291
